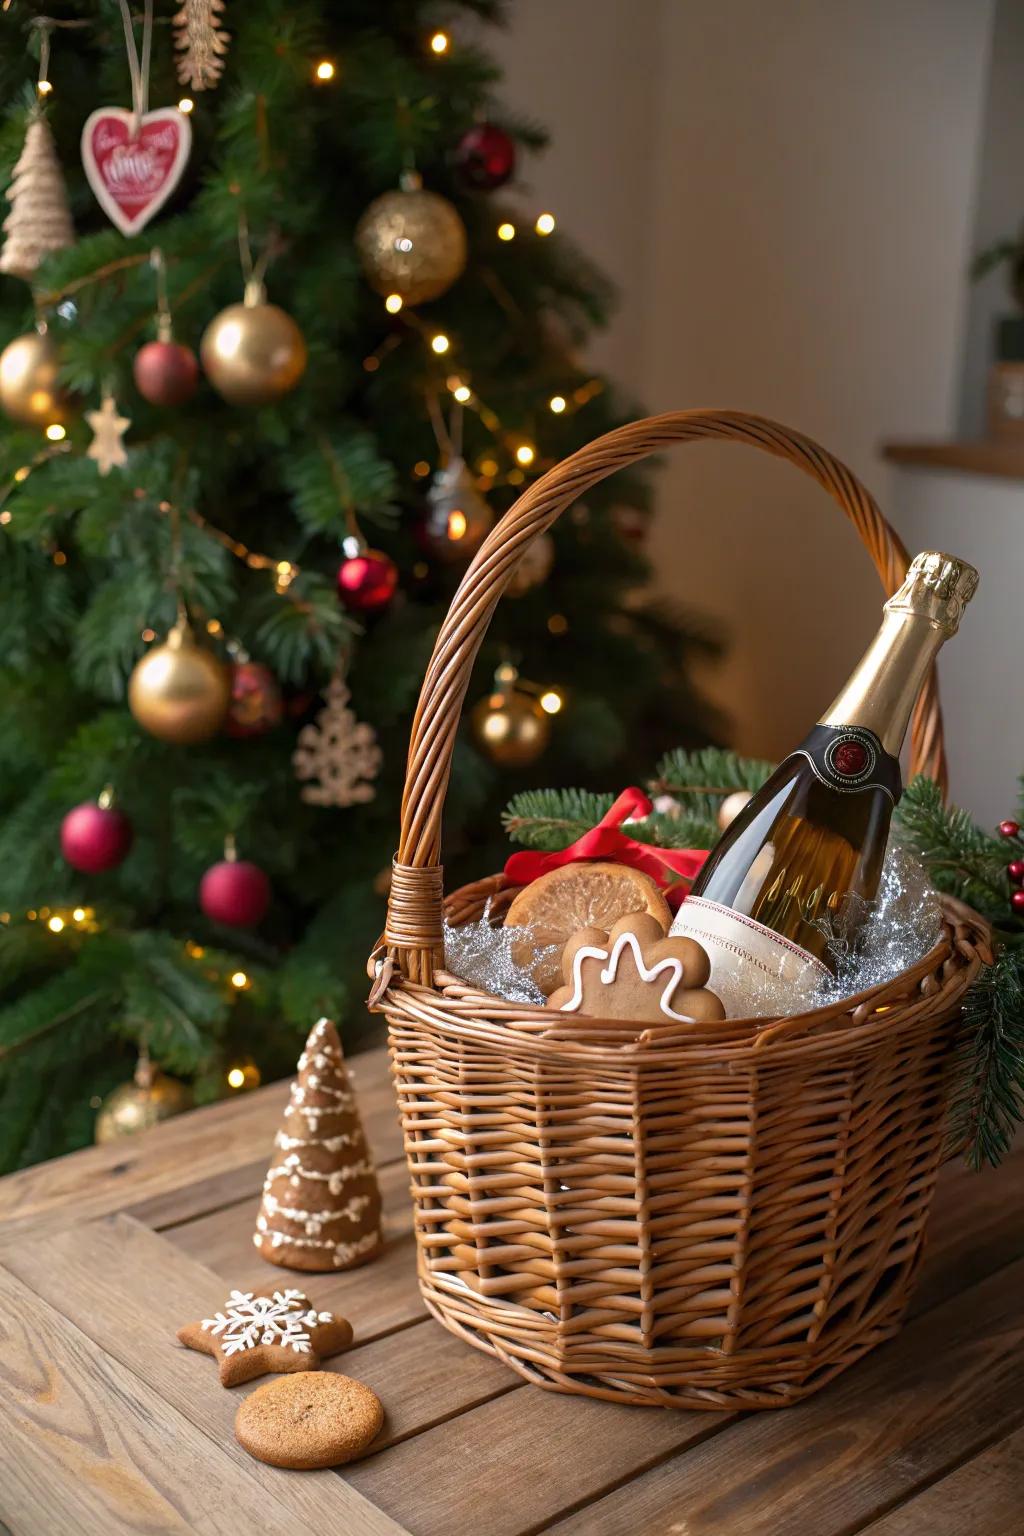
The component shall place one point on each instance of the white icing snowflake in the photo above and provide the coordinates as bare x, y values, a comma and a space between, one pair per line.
283, 1319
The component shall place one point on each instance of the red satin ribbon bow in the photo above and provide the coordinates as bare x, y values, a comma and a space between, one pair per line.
668, 866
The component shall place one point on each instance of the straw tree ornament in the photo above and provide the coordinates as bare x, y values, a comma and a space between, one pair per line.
201, 43
39, 222
321, 1203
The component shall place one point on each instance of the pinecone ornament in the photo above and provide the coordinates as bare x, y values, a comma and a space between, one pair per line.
40, 220
321, 1203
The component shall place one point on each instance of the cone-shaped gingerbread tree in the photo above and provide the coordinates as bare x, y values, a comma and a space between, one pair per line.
39, 221
321, 1204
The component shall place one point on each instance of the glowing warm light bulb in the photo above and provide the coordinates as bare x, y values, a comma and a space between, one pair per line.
45, 87
325, 70
525, 454
22, 473
457, 524
185, 105
79, 914
440, 343
506, 231
545, 223
551, 701
439, 42
236, 1077
462, 394
393, 303
55, 924
55, 432
557, 404
239, 980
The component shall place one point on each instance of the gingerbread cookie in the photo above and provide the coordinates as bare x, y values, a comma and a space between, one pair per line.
632, 971
257, 1333
556, 905
313, 1419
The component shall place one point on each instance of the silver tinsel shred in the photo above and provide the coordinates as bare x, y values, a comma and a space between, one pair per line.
872, 942
481, 955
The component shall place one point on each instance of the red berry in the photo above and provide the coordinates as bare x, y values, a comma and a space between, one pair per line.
1017, 901
1015, 870
1009, 828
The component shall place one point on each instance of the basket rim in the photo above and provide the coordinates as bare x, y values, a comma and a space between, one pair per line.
927, 993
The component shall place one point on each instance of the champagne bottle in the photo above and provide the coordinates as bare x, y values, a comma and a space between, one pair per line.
812, 839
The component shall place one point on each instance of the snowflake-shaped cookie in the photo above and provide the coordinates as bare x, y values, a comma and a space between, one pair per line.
255, 1333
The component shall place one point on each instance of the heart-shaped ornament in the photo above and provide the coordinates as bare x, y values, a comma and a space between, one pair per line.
134, 164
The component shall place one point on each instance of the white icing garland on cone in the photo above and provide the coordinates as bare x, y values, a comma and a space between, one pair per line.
336, 1167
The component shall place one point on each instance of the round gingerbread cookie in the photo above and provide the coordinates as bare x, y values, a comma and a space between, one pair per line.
309, 1419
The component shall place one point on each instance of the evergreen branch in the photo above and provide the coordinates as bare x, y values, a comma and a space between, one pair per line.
703, 779
551, 819
988, 1099
962, 860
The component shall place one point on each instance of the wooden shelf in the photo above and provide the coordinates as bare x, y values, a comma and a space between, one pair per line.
1005, 460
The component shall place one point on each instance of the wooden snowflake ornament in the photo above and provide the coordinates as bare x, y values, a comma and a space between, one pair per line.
257, 1332
338, 754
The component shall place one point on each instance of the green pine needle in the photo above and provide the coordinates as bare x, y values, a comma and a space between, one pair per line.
988, 1100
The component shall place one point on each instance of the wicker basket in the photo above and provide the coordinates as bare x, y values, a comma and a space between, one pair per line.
720, 1216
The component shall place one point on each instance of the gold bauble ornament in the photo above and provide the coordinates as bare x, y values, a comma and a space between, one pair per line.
508, 725
411, 242
731, 807
150, 1097
253, 353
179, 691
29, 387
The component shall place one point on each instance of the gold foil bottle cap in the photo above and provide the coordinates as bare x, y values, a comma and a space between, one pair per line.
937, 587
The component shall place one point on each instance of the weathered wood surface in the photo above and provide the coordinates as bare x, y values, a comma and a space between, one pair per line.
106, 1424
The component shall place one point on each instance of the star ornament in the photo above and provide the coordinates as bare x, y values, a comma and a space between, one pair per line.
257, 1332
107, 447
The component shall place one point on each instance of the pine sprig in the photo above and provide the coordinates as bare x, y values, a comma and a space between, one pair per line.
551, 819
702, 779
988, 1100
961, 859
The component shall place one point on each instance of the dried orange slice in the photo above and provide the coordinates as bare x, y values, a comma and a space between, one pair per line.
560, 903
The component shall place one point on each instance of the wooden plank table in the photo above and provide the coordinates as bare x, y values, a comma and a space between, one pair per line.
107, 1425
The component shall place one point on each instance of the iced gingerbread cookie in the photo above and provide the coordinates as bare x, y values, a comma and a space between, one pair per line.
257, 1333
632, 971
314, 1419
556, 905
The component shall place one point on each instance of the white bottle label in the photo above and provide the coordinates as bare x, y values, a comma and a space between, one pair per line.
755, 972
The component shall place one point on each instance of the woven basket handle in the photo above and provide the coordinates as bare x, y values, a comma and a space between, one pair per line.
414, 934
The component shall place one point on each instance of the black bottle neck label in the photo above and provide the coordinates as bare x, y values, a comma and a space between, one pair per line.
850, 758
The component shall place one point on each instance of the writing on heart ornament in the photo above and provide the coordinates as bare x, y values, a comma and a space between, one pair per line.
133, 162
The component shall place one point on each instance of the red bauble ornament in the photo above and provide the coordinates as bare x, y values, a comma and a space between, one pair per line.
235, 892
1009, 828
367, 581
1015, 871
1017, 902
166, 373
486, 157
256, 704
95, 837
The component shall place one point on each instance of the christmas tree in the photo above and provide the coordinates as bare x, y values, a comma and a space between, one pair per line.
268, 550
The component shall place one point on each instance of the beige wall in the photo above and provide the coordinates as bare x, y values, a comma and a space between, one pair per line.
783, 192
